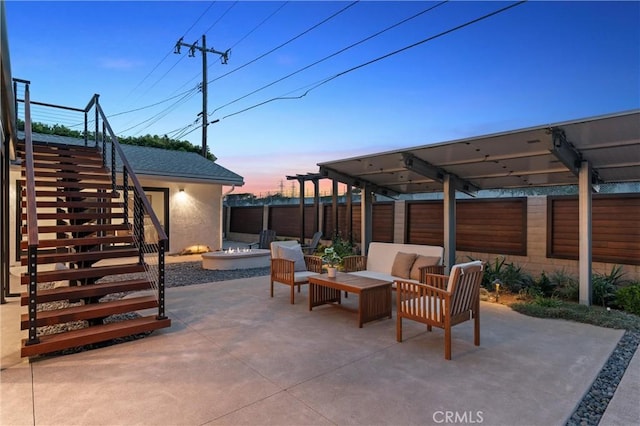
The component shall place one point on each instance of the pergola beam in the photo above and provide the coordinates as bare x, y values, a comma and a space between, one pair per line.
328, 173
423, 168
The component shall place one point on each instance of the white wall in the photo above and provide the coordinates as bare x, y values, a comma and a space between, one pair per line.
194, 214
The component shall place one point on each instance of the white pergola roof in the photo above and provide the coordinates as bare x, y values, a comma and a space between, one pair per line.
537, 156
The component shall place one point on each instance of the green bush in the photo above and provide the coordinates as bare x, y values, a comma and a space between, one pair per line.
629, 298
605, 286
565, 286
512, 278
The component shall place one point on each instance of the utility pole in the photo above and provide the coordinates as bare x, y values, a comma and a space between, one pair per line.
224, 57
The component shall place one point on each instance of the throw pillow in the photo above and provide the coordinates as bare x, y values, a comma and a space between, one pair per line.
294, 253
420, 262
402, 264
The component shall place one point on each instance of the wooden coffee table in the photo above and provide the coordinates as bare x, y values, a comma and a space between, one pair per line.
374, 296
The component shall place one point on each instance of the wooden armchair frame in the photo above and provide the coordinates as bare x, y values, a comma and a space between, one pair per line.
442, 301
283, 271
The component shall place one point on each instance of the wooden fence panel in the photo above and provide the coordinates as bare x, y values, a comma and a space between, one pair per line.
615, 228
246, 220
383, 222
424, 223
492, 225
484, 225
285, 220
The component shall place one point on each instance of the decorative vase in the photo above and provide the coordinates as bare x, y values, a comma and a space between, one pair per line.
331, 272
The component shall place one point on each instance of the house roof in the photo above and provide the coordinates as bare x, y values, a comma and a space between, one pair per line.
538, 156
149, 161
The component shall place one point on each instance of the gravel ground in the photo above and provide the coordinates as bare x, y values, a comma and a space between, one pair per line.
189, 273
594, 403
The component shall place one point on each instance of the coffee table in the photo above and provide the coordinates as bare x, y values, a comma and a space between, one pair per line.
374, 296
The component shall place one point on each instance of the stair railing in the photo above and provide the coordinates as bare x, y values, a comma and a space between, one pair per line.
148, 235
32, 221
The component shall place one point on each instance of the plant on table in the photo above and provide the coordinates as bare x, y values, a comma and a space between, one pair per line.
331, 258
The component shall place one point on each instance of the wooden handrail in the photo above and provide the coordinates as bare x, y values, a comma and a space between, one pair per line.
134, 179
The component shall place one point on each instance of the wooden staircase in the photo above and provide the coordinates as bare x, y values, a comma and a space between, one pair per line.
85, 246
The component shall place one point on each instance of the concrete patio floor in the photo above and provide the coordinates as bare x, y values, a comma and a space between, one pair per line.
236, 356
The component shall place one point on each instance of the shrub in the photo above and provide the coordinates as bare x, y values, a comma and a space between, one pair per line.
629, 298
565, 286
511, 276
605, 286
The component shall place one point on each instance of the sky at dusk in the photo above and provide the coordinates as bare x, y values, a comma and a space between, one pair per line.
309, 82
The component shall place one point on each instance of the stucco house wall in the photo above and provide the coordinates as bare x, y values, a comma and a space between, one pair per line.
194, 214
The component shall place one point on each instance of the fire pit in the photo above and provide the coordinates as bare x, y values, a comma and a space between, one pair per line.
237, 258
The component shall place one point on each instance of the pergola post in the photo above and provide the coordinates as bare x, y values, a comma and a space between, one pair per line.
316, 204
334, 207
449, 222
302, 221
584, 229
366, 225
349, 213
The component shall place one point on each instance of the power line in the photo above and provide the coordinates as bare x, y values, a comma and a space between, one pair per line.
221, 16
404, 21
395, 52
179, 101
242, 39
168, 53
152, 105
288, 41
260, 24
242, 66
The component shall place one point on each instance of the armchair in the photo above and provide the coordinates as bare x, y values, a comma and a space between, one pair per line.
442, 301
291, 267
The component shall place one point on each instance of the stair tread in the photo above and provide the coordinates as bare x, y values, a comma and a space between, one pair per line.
70, 184
62, 175
89, 311
42, 146
77, 194
89, 227
81, 273
47, 258
69, 167
66, 215
106, 204
67, 158
81, 292
81, 241
99, 333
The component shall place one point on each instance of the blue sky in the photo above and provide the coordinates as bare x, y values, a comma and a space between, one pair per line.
536, 63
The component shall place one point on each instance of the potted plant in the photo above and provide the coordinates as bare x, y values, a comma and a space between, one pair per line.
332, 260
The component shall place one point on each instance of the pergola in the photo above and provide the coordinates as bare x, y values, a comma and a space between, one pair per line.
584, 152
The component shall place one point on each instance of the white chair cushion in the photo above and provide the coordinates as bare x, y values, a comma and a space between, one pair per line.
302, 277
465, 267
424, 304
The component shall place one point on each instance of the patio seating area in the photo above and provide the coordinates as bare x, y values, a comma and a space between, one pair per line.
234, 355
